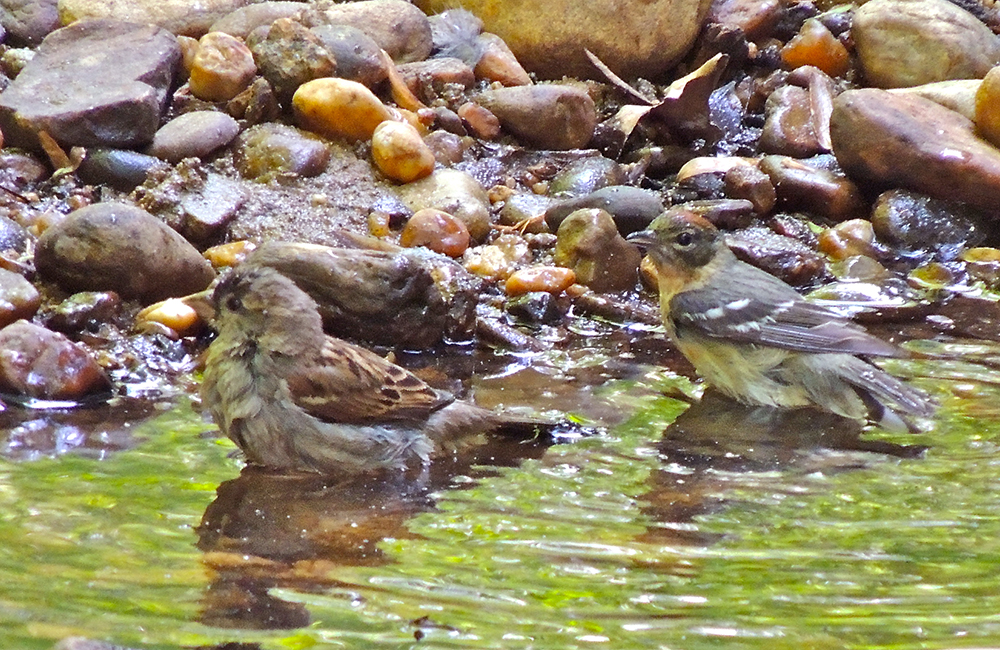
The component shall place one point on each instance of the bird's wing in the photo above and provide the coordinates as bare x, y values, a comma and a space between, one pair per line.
754, 307
350, 384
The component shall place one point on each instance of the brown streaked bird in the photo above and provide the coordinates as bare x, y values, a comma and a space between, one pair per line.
754, 338
293, 398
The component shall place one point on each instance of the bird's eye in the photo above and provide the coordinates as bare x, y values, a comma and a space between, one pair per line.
684, 239
233, 303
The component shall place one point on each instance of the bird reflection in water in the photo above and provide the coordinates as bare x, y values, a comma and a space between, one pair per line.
268, 529
718, 443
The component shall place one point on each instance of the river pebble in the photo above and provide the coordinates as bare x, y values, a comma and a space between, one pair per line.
589, 244
498, 63
800, 185
118, 247
912, 42
400, 153
243, 20
454, 192
42, 364
221, 68
97, 83
874, 132
358, 56
176, 16
397, 26
193, 135
544, 116
84, 310
18, 298
291, 55
27, 22
550, 279
271, 151
436, 230
339, 108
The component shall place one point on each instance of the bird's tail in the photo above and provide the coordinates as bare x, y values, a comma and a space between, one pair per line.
890, 402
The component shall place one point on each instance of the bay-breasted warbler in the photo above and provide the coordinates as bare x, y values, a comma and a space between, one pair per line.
754, 338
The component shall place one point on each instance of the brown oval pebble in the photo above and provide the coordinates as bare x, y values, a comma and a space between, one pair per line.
400, 153
338, 108
18, 297
436, 230
43, 364
480, 120
553, 279
222, 67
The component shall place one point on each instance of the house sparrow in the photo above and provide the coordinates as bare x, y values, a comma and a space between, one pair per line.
293, 398
757, 340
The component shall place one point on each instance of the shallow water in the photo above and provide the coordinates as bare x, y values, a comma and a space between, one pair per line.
676, 527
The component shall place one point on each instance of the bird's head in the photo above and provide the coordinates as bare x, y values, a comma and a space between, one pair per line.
679, 240
261, 304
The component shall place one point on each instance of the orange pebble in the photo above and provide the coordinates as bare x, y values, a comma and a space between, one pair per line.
816, 45
553, 279
437, 230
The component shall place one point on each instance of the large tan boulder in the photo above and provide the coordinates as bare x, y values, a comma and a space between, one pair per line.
633, 37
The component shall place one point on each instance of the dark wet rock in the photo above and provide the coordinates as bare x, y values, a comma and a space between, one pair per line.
39, 363
27, 22
589, 243
632, 208
755, 17
193, 135
916, 223
801, 186
893, 140
221, 67
633, 38
357, 54
973, 317
256, 104
455, 192
795, 226
83, 310
783, 257
524, 206
411, 298
176, 16
117, 247
587, 175
240, 22
289, 56
18, 298
270, 151
19, 170
429, 78
535, 307
724, 213
13, 236
122, 169
96, 83
750, 183
788, 128
912, 42
544, 116
398, 27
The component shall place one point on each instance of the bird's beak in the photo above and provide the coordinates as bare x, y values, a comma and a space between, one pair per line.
202, 304
644, 238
